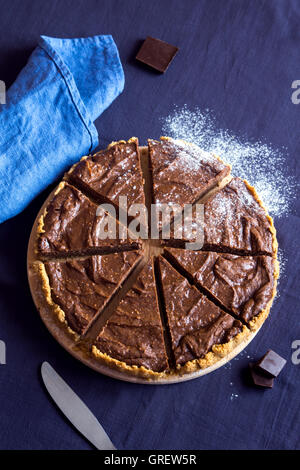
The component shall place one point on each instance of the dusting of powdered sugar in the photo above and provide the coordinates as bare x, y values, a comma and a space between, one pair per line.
190, 157
233, 396
282, 260
262, 165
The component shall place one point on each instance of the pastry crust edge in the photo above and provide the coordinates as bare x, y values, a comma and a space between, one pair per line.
269, 218
259, 319
41, 221
139, 371
39, 267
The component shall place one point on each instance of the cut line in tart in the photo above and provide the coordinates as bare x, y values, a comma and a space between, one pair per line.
71, 225
243, 285
78, 289
197, 326
133, 336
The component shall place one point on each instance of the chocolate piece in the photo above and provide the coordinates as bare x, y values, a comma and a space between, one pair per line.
196, 324
156, 53
181, 172
112, 173
133, 334
234, 221
260, 379
271, 364
82, 287
71, 226
242, 284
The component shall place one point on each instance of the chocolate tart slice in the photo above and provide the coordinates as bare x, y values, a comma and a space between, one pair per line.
70, 225
244, 285
235, 221
200, 331
181, 172
132, 339
78, 289
112, 173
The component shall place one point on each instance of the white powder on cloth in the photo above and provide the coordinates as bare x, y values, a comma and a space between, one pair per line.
191, 157
233, 396
262, 165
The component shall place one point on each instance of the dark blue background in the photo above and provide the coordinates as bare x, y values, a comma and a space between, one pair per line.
239, 59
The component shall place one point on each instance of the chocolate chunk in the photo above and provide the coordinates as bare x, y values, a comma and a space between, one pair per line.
156, 53
260, 379
271, 363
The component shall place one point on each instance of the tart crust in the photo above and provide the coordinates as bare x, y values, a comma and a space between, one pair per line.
41, 221
138, 371
270, 219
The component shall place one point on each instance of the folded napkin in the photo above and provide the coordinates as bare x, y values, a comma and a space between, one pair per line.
47, 121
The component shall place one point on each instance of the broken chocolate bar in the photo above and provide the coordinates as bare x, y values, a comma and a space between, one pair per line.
156, 54
260, 379
271, 364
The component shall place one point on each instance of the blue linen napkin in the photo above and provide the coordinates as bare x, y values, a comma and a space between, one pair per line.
47, 121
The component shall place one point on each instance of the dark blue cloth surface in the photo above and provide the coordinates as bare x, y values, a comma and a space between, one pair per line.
239, 59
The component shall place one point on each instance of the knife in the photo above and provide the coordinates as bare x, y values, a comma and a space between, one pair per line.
74, 409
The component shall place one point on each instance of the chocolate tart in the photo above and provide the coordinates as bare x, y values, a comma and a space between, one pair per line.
151, 311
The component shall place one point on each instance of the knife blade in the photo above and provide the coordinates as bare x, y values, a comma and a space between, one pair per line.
75, 409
